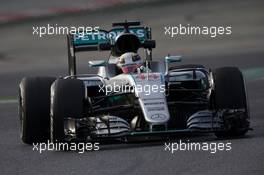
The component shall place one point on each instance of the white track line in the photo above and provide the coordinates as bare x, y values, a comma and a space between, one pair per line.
11, 101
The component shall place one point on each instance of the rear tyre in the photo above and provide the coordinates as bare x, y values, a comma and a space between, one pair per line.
33, 108
67, 101
230, 93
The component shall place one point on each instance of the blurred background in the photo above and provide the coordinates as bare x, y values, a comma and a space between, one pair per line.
23, 54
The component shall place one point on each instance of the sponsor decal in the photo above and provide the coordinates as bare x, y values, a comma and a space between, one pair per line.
99, 36
156, 108
154, 103
158, 116
148, 76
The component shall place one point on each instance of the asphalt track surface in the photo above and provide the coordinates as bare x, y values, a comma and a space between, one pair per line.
22, 54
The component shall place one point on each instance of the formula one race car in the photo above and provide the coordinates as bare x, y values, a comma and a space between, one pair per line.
131, 96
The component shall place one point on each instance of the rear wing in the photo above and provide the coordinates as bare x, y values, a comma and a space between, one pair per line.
92, 41
101, 40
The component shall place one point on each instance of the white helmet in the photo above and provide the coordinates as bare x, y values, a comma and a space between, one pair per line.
129, 62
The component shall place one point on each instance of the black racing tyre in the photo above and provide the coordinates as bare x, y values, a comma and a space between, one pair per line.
67, 101
33, 108
230, 93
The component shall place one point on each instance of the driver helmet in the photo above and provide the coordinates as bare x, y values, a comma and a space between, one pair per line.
129, 62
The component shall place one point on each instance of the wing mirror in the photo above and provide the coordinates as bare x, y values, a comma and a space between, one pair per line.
97, 63
171, 59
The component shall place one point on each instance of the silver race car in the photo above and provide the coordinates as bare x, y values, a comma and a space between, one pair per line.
131, 95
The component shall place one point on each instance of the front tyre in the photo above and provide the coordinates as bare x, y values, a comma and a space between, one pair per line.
67, 101
33, 108
230, 93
